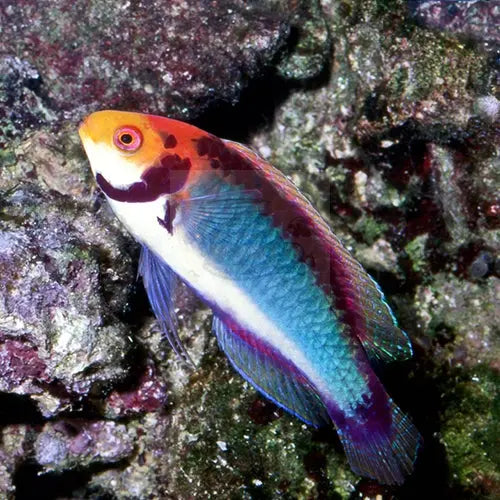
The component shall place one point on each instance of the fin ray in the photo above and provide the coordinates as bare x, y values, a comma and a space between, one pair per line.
212, 215
272, 375
160, 283
203, 213
385, 454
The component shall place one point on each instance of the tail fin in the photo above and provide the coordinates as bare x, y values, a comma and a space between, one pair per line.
386, 454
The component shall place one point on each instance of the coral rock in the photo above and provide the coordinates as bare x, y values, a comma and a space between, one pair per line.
161, 56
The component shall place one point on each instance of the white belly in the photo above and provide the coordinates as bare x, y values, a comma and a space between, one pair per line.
203, 275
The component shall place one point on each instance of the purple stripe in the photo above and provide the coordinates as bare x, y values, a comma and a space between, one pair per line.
373, 414
297, 225
167, 178
265, 348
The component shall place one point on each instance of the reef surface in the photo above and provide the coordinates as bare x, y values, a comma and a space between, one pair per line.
385, 113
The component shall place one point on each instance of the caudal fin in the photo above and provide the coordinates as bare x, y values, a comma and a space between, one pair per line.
383, 452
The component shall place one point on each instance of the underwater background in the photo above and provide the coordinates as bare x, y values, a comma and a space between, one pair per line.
386, 113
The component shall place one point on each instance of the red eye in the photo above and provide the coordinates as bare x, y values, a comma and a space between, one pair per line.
128, 139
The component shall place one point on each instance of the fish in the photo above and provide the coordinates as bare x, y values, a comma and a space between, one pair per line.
296, 315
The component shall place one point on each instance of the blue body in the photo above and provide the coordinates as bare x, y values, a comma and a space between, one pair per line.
246, 241
247, 247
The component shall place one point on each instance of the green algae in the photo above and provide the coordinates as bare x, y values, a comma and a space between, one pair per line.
310, 52
470, 430
417, 254
216, 438
370, 229
7, 158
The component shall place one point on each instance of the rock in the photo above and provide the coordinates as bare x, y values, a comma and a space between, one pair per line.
476, 19
163, 57
58, 328
22, 103
149, 396
488, 107
13, 442
481, 265
68, 444
311, 46
142, 476
392, 131
21, 369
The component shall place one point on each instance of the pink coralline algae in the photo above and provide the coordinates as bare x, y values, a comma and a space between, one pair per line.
159, 55
149, 395
475, 19
20, 367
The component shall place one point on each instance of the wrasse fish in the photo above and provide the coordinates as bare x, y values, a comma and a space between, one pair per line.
295, 313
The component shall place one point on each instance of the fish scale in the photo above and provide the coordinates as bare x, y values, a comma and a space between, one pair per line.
284, 288
296, 315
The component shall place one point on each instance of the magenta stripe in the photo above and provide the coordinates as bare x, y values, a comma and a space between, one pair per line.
265, 348
297, 225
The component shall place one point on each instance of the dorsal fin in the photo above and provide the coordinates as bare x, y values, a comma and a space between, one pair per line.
358, 299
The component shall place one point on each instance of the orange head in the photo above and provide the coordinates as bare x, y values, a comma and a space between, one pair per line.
123, 146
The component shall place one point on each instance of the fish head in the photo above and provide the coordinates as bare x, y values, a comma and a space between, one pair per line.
123, 147
119, 145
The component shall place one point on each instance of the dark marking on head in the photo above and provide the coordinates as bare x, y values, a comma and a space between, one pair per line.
169, 141
168, 219
215, 164
171, 176
202, 146
166, 178
224, 158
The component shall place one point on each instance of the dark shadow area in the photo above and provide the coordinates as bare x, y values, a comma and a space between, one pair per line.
255, 109
420, 397
30, 484
17, 409
137, 307
257, 104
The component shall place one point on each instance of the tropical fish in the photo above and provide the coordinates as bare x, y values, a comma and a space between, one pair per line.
295, 313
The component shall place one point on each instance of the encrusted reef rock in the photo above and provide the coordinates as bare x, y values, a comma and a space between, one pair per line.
390, 128
57, 333
65, 444
22, 104
60, 327
161, 56
473, 19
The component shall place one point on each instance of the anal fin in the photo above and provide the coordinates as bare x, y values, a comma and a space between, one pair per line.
271, 373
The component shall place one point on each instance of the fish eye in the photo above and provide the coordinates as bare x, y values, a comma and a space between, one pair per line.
127, 139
